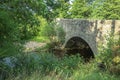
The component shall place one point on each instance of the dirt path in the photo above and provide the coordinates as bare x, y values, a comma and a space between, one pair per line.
32, 45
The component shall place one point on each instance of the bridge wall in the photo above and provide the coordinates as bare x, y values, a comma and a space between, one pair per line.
92, 31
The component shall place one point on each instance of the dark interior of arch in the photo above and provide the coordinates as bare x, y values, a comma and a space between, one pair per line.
77, 45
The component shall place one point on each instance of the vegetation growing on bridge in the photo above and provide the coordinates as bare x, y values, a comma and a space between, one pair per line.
26, 20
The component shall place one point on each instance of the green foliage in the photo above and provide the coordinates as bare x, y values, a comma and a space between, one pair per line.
49, 31
47, 66
9, 49
95, 9
107, 51
111, 9
29, 30
105, 9
8, 34
60, 34
110, 55
57, 8
26, 15
63, 9
45, 62
53, 32
80, 9
8, 29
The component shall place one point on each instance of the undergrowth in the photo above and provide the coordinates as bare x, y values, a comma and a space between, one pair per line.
46, 66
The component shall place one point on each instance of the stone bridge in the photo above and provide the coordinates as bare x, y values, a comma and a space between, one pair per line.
90, 33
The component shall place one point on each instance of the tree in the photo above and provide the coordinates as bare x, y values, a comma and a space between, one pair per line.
80, 9
106, 9
96, 8
111, 9
57, 8
63, 9
19, 19
25, 13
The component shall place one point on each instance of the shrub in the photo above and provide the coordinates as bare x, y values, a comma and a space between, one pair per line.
110, 55
8, 34
48, 31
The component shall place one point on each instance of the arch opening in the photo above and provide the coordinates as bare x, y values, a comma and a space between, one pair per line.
77, 45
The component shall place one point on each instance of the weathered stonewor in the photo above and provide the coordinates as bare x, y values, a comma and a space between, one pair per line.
93, 32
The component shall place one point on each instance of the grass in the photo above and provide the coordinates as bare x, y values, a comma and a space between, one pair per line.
61, 76
40, 39
46, 66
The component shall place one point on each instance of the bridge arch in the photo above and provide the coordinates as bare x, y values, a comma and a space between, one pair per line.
77, 45
93, 32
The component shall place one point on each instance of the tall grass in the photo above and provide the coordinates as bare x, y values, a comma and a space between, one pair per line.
46, 66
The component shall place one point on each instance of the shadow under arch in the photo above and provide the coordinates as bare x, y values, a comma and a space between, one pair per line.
77, 45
